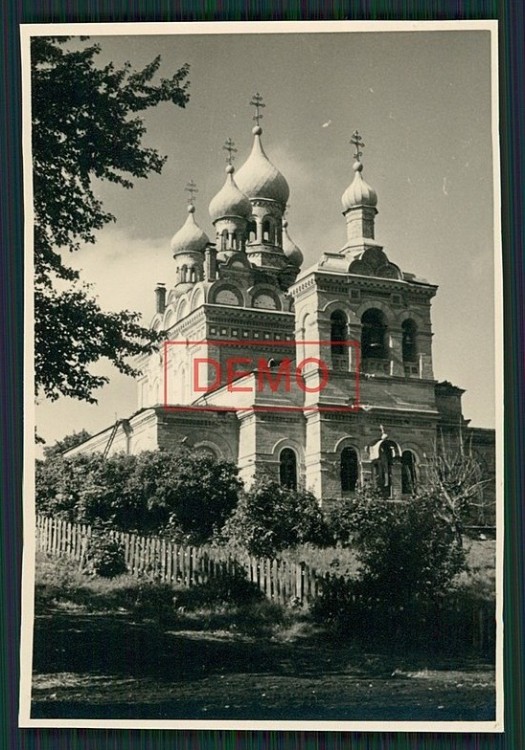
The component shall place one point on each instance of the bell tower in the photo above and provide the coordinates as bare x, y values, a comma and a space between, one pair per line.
365, 327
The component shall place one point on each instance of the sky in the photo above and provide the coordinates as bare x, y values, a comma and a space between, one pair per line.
422, 103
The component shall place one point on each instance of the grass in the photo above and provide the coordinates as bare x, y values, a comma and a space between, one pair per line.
342, 561
108, 649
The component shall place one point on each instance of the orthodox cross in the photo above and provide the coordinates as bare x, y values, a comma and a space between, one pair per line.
229, 146
191, 188
357, 141
257, 102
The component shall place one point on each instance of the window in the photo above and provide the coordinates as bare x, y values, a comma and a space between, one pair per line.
251, 231
383, 467
338, 333
408, 473
349, 470
267, 230
373, 335
409, 330
288, 469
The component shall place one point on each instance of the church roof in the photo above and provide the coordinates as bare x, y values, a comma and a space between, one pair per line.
259, 178
230, 201
190, 238
358, 193
290, 249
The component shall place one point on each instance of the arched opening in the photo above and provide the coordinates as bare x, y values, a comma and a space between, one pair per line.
349, 470
373, 335
193, 275
267, 231
288, 469
408, 473
338, 338
383, 466
409, 342
224, 239
251, 231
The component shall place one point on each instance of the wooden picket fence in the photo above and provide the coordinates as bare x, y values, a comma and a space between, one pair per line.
164, 561
465, 624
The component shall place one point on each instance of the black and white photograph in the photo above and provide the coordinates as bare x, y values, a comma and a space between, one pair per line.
263, 480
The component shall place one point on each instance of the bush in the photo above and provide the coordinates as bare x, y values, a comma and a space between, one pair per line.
105, 557
179, 494
270, 518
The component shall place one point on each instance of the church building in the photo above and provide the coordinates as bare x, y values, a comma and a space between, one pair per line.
321, 377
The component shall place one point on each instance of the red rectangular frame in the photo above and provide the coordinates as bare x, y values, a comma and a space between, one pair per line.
257, 342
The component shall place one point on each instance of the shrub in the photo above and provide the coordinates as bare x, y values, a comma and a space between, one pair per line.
270, 518
105, 557
179, 494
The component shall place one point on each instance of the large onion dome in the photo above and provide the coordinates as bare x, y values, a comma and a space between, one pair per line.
258, 178
230, 201
291, 251
359, 193
190, 238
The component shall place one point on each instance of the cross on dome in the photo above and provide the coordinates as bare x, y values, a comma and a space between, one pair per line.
357, 141
257, 102
229, 146
191, 188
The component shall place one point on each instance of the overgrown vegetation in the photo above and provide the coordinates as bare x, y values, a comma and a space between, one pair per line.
270, 518
183, 495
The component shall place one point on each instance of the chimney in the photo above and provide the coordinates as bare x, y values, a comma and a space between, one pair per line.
160, 297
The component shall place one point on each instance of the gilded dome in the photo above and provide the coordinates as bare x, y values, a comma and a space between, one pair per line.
229, 201
190, 238
359, 193
258, 178
292, 252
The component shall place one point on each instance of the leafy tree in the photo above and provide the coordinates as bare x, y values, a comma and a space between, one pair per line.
85, 129
68, 442
270, 518
178, 494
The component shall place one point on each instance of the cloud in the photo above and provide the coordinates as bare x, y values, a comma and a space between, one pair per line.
124, 270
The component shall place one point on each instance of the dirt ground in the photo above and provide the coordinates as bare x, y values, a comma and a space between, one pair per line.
111, 667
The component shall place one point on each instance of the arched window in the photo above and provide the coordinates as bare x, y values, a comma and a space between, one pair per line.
267, 230
383, 467
409, 330
251, 231
224, 239
349, 470
373, 335
408, 473
288, 469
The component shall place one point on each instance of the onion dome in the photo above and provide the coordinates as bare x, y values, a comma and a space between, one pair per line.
292, 253
359, 193
258, 178
229, 201
190, 238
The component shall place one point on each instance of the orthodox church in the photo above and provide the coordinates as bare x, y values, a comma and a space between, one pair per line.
320, 377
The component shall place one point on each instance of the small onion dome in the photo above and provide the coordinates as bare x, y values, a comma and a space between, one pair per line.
229, 201
190, 238
292, 253
359, 193
258, 178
